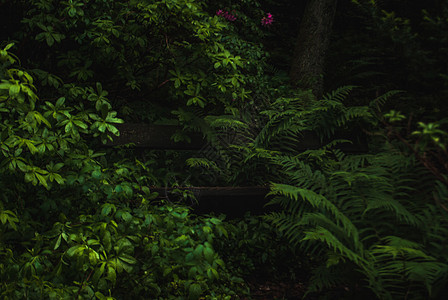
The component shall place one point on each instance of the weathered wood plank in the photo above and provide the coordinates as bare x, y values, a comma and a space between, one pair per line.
216, 191
154, 137
231, 201
159, 137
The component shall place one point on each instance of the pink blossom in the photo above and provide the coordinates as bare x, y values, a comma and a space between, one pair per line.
228, 16
266, 21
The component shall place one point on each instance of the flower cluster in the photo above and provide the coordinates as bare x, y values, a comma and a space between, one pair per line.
266, 21
226, 15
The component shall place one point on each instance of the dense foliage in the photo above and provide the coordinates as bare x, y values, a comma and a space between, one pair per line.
81, 220
376, 214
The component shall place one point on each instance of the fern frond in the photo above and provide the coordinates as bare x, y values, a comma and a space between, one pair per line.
226, 122
321, 220
404, 258
378, 102
315, 200
386, 203
354, 113
202, 162
300, 173
323, 235
339, 94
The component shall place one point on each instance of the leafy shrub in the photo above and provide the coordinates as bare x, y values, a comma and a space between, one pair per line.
253, 248
153, 56
120, 252
110, 239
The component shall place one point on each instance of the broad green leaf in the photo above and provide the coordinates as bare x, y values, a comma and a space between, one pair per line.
96, 174
195, 291
72, 250
208, 254
198, 251
99, 272
111, 274
126, 216
14, 90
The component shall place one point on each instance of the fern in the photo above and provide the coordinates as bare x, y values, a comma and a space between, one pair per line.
202, 162
339, 94
226, 122
322, 234
372, 216
379, 101
371, 210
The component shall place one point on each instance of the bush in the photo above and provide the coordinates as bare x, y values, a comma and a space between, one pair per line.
75, 225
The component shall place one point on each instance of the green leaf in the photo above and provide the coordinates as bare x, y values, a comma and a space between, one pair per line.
128, 259
42, 179
96, 174
102, 127
49, 39
14, 90
72, 251
8, 46
198, 251
72, 12
212, 273
208, 254
127, 190
99, 272
126, 216
107, 208
111, 274
113, 129
107, 241
215, 221
58, 242
100, 296
59, 179
80, 124
195, 291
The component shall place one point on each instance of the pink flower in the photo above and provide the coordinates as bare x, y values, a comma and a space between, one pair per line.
266, 21
231, 18
228, 16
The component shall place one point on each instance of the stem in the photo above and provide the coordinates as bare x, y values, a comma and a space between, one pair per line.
83, 283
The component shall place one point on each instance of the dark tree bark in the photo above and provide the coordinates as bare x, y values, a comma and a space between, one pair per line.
312, 43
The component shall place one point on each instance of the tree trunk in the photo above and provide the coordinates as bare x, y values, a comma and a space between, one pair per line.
312, 43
